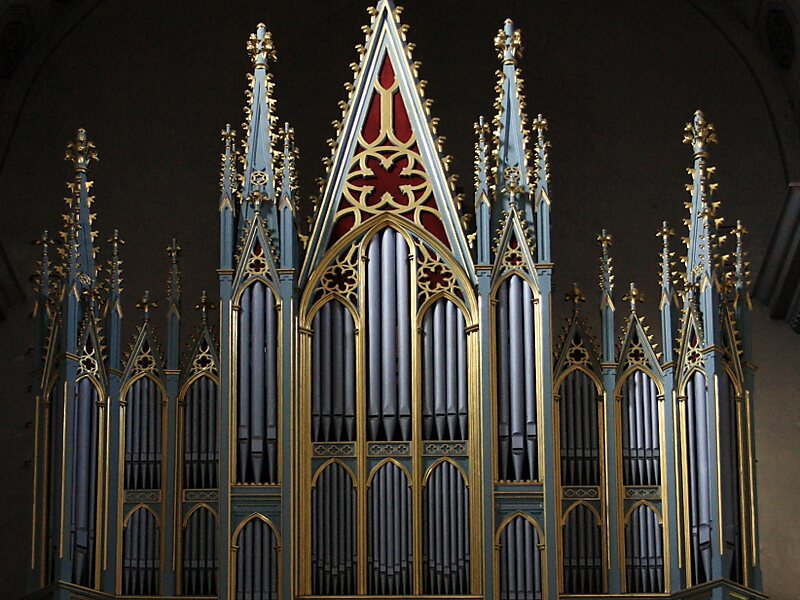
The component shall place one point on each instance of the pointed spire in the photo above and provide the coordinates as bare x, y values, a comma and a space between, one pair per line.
115, 273
741, 266
204, 306
511, 135
666, 259
146, 305
81, 152
228, 181
700, 134
576, 296
174, 278
43, 273
482, 194
287, 205
606, 302
259, 152
634, 296
541, 193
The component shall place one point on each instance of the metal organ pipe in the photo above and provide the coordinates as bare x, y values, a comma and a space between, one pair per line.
444, 391
516, 381
644, 560
730, 476
200, 554
580, 442
582, 548
333, 553
640, 440
143, 435
140, 556
698, 471
388, 338
256, 562
258, 386
84, 509
389, 536
333, 375
520, 565
446, 537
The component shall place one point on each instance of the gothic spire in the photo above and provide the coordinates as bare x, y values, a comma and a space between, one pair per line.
606, 302
80, 237
699, 259
174, 308
259, 152
227, 199
541, 192
287, 205
482, 193
511, 133
115, 275
174, 277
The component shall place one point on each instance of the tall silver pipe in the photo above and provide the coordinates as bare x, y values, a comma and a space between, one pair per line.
503, 391
404, 331
388, 327
374, 387
243, 357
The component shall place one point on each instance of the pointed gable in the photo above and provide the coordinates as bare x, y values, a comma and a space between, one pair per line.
386, 159
577, 348
515, 249
637, 349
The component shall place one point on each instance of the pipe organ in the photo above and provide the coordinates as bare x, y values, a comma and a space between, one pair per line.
380, 407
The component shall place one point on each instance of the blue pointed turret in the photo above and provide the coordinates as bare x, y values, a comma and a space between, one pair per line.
113, 308
258, 152
174, 307
81, 152
541, 191
287, 205
227, 200
42, 312
512, 177
482, 195
606, 302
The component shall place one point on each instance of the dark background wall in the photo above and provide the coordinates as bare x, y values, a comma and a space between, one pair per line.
154, 82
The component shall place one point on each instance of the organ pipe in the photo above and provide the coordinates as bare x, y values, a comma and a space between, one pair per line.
444, 389
257, 438
333, 406
520, 561
143, 435
256, 562
389, 542
199, 575
84, 509
640, 439
582, 548
333, 550
516, 382
644, 559
388, 338
446, 557
698, 469
580, 441
140, 554
200, 452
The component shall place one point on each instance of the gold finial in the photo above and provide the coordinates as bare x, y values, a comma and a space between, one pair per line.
145, 304
508, 43
739, 231
539, 124
115, 242
204, 306
605, 240
45, 240
575, 295
634, 296
81, 152
512, 187
174, 251
699, 133
665, 232
260, 47
228, 135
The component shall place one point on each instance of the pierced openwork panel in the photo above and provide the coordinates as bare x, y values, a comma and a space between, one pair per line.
387, 173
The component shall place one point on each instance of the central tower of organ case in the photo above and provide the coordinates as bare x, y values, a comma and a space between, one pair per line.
383, 409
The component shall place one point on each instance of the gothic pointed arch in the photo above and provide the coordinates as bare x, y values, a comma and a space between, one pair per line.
515, 248
386, 157
199, 561
518, 563
141, 544
256, 568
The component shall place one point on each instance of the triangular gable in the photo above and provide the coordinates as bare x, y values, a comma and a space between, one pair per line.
145, 355
386, 157
204, 358
577, 349
731, 344
256, 258
91, 352
637, 349
690, 346
514, 248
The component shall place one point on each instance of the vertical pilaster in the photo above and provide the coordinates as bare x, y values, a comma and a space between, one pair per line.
287, 431
225, 406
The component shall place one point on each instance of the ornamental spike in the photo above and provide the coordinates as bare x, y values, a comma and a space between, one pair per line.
634, 296
204, 306
146, 305
576, 296
261, 48
174, 278
606, 267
